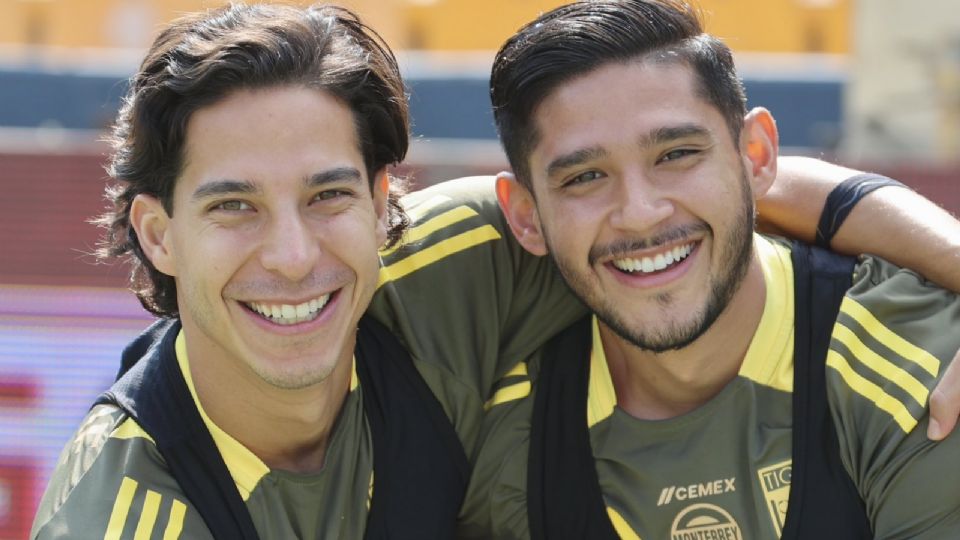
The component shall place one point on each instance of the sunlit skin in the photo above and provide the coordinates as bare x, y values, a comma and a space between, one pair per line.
631, 163
273, 208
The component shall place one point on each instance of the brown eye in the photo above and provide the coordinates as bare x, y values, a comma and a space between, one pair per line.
330, 194
674, 155
583, 178
233, 206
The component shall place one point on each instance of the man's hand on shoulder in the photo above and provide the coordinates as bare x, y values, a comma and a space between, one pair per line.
945, 402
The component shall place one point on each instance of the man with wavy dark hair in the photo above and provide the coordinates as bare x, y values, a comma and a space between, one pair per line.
726, 384
252, 197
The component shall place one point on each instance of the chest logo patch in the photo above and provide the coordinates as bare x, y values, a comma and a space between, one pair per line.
699, 521
775, 481
696, 491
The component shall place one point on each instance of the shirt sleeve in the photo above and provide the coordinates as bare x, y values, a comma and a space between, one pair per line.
894, 337
462, 293
110, 482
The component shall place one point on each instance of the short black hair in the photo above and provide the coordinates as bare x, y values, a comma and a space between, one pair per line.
577, 38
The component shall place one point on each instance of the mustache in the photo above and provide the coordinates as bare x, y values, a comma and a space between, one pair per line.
311, 285
622, 247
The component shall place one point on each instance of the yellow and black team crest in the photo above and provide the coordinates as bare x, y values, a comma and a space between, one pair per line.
775, 481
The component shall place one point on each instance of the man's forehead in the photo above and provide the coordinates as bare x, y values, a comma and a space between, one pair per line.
644, 100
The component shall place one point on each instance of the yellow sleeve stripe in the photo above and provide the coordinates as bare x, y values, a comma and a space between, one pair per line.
881, 365
121, 507
624, 530
417, 212
874, 393
889, 339
519, 370
129, 429
175, 524
415, 234
513, 392
436, 252
148, 516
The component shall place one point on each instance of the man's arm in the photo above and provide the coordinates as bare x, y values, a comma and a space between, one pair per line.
895, 334
894, 223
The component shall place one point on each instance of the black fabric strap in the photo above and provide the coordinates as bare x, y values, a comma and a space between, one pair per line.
842, 199
563, 491
824, 503
421, 469
155, 394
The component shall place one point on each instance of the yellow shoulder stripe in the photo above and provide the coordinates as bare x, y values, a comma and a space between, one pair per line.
624, 531
438, 251
889, 339
512, 392
121, 507
871, 391
148, 513
881, 365
431, 226
518, 370
421, 209
175, 524
148, 516
129, 429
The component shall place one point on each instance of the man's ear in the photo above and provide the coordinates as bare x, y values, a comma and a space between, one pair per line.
520, 209
381, 194
152, 225
760, 146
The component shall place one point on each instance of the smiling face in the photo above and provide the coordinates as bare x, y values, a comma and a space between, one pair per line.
274, 235
643, 199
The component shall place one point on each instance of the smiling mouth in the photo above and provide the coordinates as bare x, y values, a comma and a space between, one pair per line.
656, 263
287, 314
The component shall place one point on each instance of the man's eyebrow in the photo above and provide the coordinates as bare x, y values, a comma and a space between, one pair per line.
338, 174
672, 133
573, 159
224, 187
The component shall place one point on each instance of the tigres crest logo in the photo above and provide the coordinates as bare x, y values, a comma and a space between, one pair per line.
775, 481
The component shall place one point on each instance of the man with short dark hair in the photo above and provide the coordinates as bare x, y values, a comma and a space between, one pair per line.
727, 385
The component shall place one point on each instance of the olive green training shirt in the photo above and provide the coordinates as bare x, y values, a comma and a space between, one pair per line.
723, 470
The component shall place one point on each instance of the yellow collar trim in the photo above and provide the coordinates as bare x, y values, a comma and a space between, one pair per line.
244, 466
769, 360
601, 396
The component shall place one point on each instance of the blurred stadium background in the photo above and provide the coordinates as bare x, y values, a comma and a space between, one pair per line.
870, 83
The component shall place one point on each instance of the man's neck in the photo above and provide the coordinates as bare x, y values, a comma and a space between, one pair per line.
657, 386
287, 429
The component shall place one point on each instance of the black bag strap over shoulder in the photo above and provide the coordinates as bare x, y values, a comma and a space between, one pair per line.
563, 491
824, 503
154, 393
564, 499
421, 469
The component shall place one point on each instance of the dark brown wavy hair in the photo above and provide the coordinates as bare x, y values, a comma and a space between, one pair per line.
203, 57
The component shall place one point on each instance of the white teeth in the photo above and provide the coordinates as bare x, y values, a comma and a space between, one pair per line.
659, 262
291, 314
